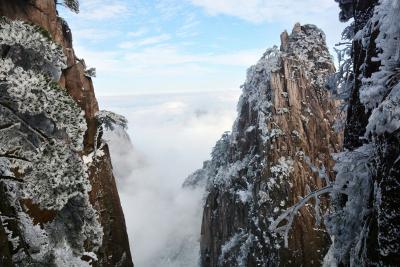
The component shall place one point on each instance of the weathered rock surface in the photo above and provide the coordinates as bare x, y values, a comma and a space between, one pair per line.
373, 122
115, 250
283, 130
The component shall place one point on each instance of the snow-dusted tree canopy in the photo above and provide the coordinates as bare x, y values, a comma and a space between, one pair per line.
22, 40
110, 120
71, 4
41, 141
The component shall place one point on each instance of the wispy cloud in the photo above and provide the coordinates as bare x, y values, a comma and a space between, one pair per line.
146, 41
139, 32
266, 10
184, 42
93, 34
103, 9
169, 8
187, 29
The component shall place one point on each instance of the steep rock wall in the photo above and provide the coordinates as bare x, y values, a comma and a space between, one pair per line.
104, 197
371, 237
282, 136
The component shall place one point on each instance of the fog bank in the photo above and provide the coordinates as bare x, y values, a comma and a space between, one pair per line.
172, 135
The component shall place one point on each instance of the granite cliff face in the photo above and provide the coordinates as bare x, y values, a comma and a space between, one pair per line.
114, 249
279, 144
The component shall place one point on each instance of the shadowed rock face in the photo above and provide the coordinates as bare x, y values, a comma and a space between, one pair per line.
382, 224
285, 122
104, 197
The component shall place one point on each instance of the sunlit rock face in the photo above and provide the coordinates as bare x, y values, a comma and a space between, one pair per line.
21, 219
282, 137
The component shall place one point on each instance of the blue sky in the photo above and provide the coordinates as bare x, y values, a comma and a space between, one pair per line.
160, 46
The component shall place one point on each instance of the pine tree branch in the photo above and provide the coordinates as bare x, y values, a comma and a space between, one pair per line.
14, 157
11, 178
6, 106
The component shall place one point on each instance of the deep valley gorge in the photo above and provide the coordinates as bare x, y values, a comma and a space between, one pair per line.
308, 175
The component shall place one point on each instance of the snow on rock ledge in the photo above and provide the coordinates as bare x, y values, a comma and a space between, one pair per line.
259, 170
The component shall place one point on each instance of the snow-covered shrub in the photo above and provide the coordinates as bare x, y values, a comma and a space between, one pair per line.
35, 94
381, 92
21, 41
71, 4
41, 141
58, 174
91, 72
110, 120
219, 154
353, 186
342, 82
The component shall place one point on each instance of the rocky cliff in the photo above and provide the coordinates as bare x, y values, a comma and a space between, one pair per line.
366, 216
102, 192
279, 145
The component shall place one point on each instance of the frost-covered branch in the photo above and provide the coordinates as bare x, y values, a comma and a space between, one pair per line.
341, 83
11, 178
291, 212
8, 126
14, 157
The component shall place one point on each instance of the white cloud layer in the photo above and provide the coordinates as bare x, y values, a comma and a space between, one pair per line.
172, 134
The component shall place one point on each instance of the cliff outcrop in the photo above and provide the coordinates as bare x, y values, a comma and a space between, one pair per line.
280, 143
366, 216
103, 195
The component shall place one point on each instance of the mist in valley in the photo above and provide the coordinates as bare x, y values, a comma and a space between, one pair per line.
170, 136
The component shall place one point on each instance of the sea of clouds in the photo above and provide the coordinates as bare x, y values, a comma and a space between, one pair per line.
171, 135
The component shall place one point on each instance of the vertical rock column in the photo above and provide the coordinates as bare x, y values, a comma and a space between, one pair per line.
283, 134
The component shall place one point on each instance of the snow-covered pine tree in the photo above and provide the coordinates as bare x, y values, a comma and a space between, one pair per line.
108, 120
41, 143
71, 4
